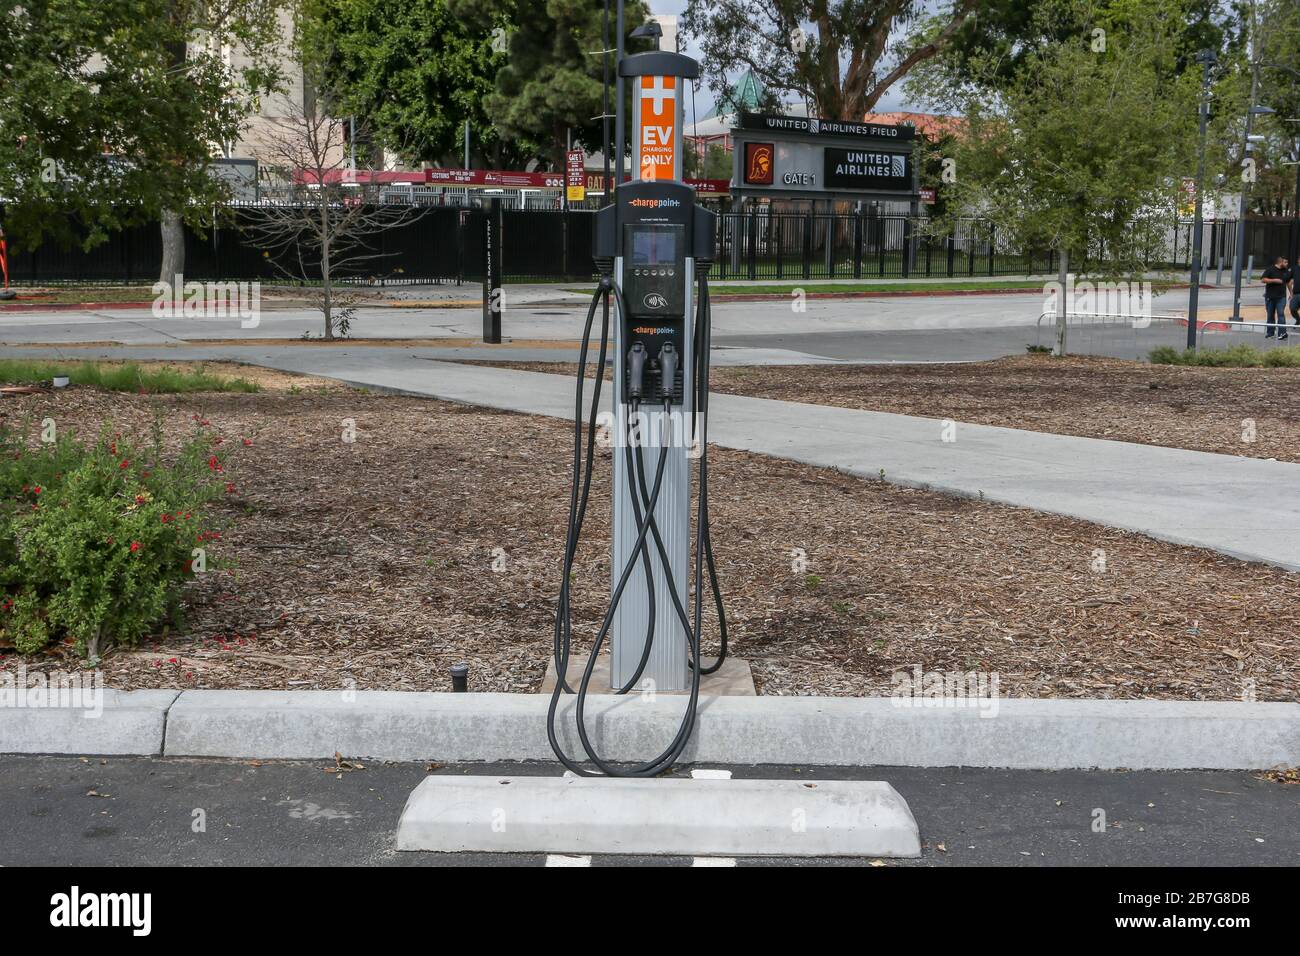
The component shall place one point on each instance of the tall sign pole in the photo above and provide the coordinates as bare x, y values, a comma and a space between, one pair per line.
1208, 61
492, 291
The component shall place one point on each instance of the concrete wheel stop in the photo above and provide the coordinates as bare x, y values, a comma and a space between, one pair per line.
662, 816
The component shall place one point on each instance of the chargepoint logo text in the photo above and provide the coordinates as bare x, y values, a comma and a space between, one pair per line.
209, 300
1132, 300
75, 909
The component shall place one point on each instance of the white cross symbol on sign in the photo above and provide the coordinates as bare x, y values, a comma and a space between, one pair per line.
657, 92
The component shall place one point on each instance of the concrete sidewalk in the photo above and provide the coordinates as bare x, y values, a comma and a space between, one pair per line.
1242, 507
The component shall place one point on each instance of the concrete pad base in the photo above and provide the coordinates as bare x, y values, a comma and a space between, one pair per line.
732, 679
672, 817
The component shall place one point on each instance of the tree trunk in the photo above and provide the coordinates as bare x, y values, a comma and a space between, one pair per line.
1062, 276
173, 246
326, 298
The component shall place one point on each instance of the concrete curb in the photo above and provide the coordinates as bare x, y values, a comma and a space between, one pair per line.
130, 722
809, 731
673, 816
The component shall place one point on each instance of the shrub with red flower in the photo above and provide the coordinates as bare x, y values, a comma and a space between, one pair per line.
104, 557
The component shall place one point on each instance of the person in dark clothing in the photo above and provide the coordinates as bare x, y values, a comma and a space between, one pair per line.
1277, 280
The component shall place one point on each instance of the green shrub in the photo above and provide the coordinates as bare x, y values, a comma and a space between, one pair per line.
97, 539
1235, 356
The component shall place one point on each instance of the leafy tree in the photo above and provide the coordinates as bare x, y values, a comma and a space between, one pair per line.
1083, 149
415, 69
995, 43
1278, 55
110, 109
840, 55
714, 163
550, 83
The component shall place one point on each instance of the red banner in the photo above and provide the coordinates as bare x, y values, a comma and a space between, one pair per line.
595, 182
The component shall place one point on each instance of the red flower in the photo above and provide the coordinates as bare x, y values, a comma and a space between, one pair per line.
135, 546
125, 464
248, 442
36, 490
230, 487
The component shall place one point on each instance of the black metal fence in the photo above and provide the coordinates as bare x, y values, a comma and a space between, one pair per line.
434, 244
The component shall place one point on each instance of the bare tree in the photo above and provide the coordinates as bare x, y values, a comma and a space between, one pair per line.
320, 222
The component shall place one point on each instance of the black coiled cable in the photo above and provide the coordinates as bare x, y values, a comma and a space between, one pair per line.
644, 500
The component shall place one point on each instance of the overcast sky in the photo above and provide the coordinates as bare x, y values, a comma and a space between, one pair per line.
892, 100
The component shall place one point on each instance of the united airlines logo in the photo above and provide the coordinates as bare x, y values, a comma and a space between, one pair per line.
654, 300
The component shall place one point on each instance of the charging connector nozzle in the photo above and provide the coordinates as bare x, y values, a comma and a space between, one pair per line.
668, 359
636, 360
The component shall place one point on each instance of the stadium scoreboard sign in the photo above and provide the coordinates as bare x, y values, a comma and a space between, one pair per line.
809, 157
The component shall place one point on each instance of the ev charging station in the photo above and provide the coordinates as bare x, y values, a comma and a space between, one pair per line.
653, 249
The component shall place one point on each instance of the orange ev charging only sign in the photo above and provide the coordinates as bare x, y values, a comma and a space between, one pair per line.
657, 135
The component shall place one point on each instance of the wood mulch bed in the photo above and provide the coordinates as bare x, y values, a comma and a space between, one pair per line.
371, 564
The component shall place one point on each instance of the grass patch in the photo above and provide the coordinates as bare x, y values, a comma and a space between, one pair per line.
121, 377
1236, 356
73, 295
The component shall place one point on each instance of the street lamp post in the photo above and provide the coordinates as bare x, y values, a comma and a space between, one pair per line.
1243, 206
1208, 61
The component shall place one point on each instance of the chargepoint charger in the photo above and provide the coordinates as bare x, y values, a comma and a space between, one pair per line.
653, 249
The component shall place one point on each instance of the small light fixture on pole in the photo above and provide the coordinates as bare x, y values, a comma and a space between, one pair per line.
650, 30
1208, 61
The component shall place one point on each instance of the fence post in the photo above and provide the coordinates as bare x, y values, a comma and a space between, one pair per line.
462, 217
952, 249
832, 235
992, 246
880, 245
857, 244
753, 245
807, 245
908, 236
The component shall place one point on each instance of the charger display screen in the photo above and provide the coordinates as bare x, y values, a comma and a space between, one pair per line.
652, 247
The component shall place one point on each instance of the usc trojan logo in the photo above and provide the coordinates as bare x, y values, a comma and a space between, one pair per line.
758, 163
